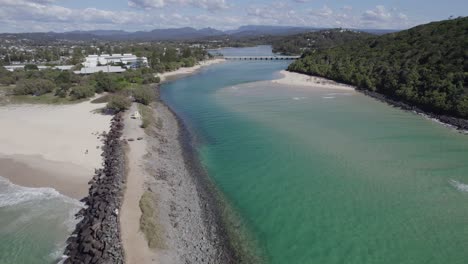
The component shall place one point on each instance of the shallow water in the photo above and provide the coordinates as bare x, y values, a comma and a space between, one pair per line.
34, 223
326, 176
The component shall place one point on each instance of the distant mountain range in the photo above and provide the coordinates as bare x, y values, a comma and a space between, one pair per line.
185, 33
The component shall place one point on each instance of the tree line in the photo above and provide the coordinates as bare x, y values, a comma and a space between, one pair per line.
425, 66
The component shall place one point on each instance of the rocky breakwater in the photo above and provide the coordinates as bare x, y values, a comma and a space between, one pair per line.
458, 123
96, 238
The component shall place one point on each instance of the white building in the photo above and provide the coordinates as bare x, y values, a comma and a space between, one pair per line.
127, 59
108, 69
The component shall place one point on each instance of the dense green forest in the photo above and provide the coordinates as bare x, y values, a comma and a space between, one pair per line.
425, 66
300, 43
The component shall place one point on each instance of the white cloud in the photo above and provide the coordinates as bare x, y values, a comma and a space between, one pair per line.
381, 17
325, 11
377, 14
211, 5
49, 15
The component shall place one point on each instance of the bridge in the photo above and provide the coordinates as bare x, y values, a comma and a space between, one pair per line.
261, 57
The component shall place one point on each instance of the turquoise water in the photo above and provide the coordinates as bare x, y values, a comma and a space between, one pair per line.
327, 176
34, 223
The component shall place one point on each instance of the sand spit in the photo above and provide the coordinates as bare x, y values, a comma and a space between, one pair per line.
52, 146
190, 231
298, 79
182, 72
133, 240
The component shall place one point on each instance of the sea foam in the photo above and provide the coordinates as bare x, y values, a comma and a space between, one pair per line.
299, 98
12, 194
459, 186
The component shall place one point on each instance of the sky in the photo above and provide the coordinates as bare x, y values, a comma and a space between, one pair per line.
136, 15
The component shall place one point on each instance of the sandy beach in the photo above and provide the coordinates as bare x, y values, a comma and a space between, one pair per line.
298, 79
52, 146
168, 76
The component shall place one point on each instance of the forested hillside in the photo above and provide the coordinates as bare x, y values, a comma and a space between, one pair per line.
300, 43
425, 66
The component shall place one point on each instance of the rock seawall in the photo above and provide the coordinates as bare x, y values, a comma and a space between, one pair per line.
458, 123
96, 238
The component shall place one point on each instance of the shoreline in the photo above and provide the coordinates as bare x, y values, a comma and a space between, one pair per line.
206, 189
225, 230
52, 146
187, 216
186, 71
459, 124
299, 79
288, 78
37, 172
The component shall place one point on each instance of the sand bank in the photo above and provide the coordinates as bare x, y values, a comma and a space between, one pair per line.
52, 146
181, 72
298, 79
133, 240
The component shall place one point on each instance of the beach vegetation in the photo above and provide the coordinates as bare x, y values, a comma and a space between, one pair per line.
34, 87
143, 95
147, 117
82, 92
149, 222
118, 103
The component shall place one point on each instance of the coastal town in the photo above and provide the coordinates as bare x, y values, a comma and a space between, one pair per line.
215, 132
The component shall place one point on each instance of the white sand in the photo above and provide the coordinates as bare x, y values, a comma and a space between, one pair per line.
188, 70
36, 135
298, 79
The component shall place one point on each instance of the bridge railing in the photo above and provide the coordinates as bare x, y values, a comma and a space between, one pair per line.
261, 57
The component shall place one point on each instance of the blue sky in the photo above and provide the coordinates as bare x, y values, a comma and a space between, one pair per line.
133, 15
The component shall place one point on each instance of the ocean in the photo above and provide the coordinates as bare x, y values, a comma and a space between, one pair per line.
326, 176
34, 223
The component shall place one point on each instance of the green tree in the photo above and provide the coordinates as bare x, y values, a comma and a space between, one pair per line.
118, 103
82, 92
143, 95
33, 87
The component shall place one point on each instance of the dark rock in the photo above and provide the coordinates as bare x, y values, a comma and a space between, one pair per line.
458, 123
96, 238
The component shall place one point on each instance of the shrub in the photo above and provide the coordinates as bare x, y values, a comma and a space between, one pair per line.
105, 82
149, 225
118, 103
33, 87
143, 95
7, 80
150, 78
82, 91
29, 67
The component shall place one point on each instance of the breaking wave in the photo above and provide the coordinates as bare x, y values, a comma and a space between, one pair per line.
459, 186
11, 194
